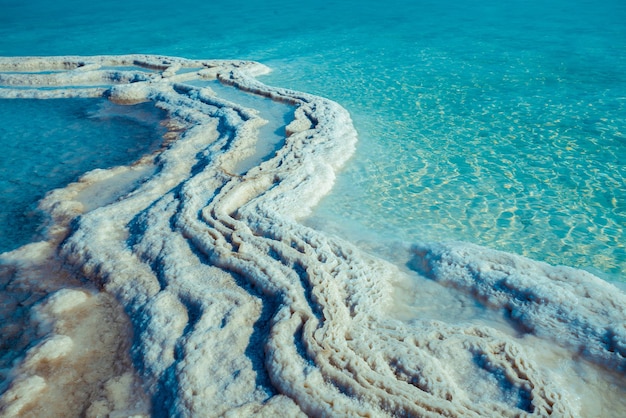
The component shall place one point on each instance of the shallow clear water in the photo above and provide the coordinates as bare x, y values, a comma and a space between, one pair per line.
49, 143
500, 123
276, 114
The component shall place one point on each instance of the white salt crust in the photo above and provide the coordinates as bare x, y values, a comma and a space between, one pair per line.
237, 309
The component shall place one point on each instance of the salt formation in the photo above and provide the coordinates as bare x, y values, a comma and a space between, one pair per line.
236, 308
572, 306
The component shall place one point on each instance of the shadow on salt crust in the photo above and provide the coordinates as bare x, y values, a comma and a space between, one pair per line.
238, 309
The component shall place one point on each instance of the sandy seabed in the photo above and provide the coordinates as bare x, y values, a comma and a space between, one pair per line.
185, 285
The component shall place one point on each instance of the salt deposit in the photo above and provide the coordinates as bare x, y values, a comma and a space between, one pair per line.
237, 308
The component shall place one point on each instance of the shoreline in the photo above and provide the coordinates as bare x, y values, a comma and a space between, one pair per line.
200, 256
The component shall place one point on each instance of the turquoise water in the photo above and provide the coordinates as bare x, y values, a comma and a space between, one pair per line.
49, 143
499, 123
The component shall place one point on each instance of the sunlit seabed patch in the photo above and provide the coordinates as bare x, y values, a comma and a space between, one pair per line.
525, 153
48, 143
238, 308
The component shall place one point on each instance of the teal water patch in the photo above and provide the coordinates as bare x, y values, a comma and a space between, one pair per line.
501, 125
531, 162
49, 143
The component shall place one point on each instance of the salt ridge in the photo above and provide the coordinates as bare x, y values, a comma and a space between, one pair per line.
237, 308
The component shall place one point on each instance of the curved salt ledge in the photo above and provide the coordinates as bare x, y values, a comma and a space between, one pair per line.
238, 309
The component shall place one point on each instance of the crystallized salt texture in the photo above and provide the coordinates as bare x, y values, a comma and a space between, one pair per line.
238, 309
570, 306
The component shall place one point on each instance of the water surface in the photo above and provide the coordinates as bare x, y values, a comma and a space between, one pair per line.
49, 143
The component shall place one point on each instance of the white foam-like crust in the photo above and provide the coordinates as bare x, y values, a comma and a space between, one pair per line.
238, 309
570, 306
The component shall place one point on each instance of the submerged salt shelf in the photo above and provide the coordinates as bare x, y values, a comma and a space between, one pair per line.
234, 307
49, 143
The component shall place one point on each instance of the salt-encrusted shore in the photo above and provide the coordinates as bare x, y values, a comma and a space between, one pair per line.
234, 307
